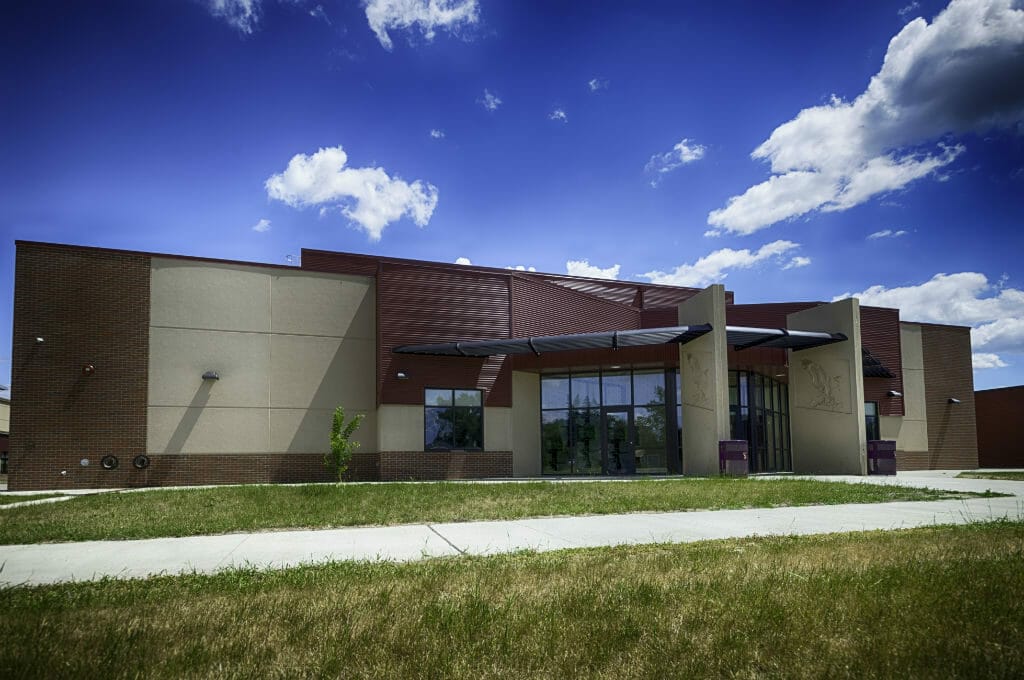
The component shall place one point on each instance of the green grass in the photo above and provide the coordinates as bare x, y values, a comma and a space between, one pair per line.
7, 499
934, 602
1012, 476
188, 512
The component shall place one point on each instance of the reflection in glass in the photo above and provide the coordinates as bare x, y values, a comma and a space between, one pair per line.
586, 437
554, 392
438, 398
649, 388
616, 389
586, 390
620, 457
555, 441
650, 439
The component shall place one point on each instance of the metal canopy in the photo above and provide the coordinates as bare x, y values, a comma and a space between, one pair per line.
873, 368
739, 336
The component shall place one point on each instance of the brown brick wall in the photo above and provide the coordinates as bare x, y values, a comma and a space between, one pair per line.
952, 433
90, 307
1000, 427
401, 465
185, 470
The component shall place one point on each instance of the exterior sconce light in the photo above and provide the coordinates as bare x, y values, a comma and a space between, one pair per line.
894, 393
952, 400
39, 341
211, 375
88, 369
402, 375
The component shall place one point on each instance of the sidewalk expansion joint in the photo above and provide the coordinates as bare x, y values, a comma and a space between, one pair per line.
445, 539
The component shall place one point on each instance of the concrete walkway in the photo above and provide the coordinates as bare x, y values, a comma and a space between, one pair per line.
56, 562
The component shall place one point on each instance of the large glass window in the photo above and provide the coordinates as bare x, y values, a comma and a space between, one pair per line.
759, 414
453, 419
576, 408
871, 420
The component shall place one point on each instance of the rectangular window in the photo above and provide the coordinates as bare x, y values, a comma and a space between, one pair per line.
871, 420
453, 419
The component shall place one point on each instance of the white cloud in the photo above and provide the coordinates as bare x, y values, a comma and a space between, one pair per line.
559, 115
242, 14
887, 233
521, 268
489, 101
713, 267
437, 134
584, 268
962, 73
368, 197
686, 151
462, 260
798, 261
262, 226
982, 360
994, 312
428, 15
596, 84
910, 9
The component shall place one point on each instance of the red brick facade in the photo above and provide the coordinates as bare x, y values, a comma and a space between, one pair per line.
91, 309
401, 465
1000, 427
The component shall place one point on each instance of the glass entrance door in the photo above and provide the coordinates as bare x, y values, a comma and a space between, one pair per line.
617, 445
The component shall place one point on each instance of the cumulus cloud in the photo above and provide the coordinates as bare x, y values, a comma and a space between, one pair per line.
584, 268
242, 14
489, 101
981, 360
686, 151
369, 197
262, 226
887, 233
462, 260
962, 73
995, 313
909, 10
714, 266
427, 15
798, 261
559, 115
596, 84
521, 268
437, 134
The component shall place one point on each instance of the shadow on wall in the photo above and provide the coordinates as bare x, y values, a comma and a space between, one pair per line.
188, 421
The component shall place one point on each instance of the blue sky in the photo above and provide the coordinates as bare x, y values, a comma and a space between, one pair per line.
793, 151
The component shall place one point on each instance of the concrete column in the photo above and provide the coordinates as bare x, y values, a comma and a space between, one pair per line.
704, 374
826, 394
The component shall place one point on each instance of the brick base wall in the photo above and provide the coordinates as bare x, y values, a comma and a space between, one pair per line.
401, 465
915, 460
195, 469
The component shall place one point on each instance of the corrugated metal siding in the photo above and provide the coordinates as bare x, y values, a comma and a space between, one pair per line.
429, 304
768, 315
880, 335
541, 308
339, 263
952, 431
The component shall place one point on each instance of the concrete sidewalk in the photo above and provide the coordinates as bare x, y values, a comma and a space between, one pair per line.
56, 562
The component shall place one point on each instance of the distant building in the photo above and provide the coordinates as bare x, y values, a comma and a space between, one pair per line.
1000, 427
137, 369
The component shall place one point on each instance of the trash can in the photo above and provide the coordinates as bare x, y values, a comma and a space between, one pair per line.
881, 457
732, 458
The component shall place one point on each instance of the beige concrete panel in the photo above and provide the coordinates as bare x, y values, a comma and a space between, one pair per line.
5, 417
309, 430
525, 424
913, 395
911, 349
173, 429
323, 304
497, 428
322, 372
179, 357
704, 371
400, 428
913, 436
826, 394
211, 296
889, 427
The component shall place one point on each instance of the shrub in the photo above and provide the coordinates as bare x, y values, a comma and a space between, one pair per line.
342, 446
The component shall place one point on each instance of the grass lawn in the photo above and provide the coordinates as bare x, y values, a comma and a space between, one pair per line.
7, 499
1012, 476
932, 602
189, 512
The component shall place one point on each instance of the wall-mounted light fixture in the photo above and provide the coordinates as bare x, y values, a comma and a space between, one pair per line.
952, 400
894, 393
39, 341
88, 369
211, 375
402, 375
